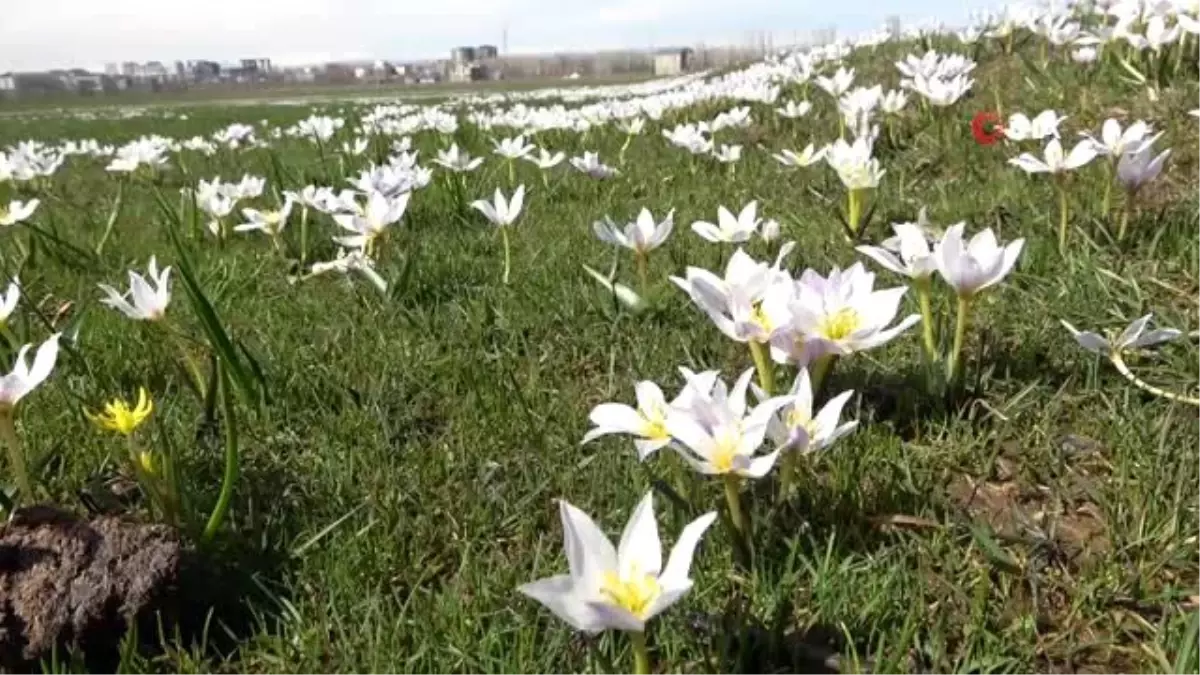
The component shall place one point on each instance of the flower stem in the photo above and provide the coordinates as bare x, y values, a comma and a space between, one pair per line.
641, 656
303, 236
960, 334
642, 269
853, 210
1119, 363
1106, 202
734, 501
507, 253
819, 371
766, 374
112, 217
1063, 211
16, 456
624, 147
232, 460
512, 172
923, 299
1123, 225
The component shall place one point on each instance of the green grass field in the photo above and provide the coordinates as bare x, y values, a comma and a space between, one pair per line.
400, 481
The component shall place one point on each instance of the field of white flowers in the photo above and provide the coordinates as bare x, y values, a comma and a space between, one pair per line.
892, 341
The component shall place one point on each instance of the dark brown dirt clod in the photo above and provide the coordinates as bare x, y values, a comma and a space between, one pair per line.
71, 582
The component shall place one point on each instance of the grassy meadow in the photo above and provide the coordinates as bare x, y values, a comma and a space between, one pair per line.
398, 479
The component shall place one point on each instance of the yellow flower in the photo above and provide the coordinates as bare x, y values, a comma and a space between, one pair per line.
146, 461
118, 416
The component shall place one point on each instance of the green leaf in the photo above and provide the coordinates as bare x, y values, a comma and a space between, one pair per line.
218, 338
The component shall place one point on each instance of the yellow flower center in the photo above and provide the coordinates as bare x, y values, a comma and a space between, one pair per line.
635, 594
796, 419
760, 318
654, 423
840, 324
723, 454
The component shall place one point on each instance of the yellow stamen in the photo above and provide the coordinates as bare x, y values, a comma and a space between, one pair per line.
760, 318
796, 419
723, 455
840, 324
654, 423
122, 418
635, 594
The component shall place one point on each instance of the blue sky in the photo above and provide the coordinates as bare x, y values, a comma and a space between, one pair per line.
39, 34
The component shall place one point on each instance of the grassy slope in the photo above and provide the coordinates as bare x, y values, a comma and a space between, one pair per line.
445, 422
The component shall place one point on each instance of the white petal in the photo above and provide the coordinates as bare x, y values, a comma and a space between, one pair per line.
640, 549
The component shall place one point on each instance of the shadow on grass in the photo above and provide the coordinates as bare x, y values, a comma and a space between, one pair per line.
745, 644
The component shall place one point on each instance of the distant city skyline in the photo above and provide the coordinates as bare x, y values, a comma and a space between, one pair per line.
91, 33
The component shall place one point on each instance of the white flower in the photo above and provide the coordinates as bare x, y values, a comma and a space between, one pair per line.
770, 230
893, 101
839, 84
620, 588
794, 110
914, 259
750, 303
501, 212
942, 92
795, 428
590, 164
146, 300
1115, 143
11, 297
513, 148
545, 160
269, 222
1133, 337
970, 267
1055, 161
841, 314
1084, 55
730, 229
727, 154
457, 161
352, 261
854, 164
17, 212
647, 422
1137, 168
717, 435
356, 147
642, 235
632, 126
1021, 128
807, 157
366, 225
249, 188
23, 379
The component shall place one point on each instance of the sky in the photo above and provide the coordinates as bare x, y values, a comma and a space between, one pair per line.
42, 34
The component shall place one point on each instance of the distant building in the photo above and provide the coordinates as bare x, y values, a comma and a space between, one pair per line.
204, 70
8, 82
466, 72
893, 27
462, 55
486, 52
672, 61
256, 65
112, 69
